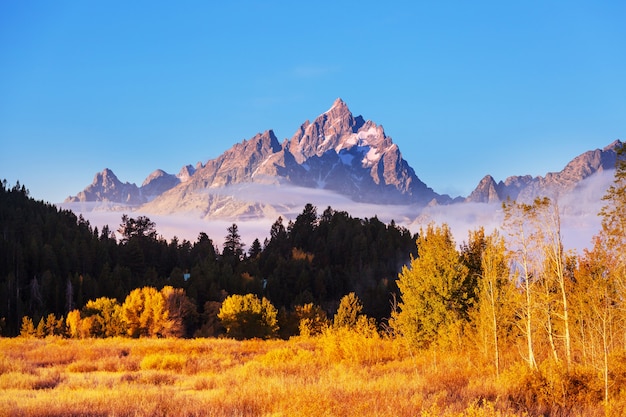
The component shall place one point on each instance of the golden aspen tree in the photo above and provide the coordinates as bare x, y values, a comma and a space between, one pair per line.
555, 275
144, 313
28, 327
350, 308
434, 301
515, 222
312, 319
601, 307
247, 316
495, 294
73, 322
613, 233
603, 270
535, 230
105, 317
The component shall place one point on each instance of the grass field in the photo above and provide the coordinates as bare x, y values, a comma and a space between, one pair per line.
331, 375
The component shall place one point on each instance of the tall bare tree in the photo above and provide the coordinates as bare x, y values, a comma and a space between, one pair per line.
523, 255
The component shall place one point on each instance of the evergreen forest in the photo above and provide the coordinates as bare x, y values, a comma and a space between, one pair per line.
54, 262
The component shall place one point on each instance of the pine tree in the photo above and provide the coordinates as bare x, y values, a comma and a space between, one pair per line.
233, 247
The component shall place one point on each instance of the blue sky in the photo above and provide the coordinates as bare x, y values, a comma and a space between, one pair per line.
464, 88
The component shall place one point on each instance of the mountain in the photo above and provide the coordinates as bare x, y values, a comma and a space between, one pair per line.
337, 152
106, 187
526, 188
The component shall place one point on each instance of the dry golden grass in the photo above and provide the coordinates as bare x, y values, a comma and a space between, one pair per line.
336, 374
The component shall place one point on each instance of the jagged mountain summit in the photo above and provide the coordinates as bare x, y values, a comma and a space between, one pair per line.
526, 188
106, 187
336, 152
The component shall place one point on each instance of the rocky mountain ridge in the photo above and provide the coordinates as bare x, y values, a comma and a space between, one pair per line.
526, 188
337, 152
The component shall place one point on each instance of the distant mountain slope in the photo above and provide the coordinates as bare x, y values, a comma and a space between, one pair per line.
107, 187
526, 188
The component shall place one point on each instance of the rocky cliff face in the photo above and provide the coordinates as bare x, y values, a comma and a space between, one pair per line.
336, 151
107, 187
526, 188
340, 152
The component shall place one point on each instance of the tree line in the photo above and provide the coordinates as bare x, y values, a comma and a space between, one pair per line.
54, 262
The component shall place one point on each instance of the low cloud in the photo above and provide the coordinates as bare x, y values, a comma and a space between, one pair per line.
579, 213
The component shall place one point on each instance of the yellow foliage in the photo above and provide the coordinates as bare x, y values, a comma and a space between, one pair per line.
145, 313
342, 372
300, 255
245, 316
164, 362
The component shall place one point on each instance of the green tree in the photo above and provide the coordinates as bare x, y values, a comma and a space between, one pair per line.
141, 227
434, 304
247, 316
233, 246
255, 249
302, 230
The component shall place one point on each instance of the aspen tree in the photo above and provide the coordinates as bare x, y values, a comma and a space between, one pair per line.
350, 308
247, 316
522, 253
434, 301
555, 265
144, 313
495, 290
601, 305
105, 317
608, 260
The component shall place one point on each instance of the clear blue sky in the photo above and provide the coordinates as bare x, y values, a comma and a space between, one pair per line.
464, 88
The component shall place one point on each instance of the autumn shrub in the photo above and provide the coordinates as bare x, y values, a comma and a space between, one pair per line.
312, 319
164, 362
551, 389
290, 360
363, 344
341, 372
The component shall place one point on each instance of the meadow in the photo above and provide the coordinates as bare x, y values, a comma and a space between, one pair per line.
336, 374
